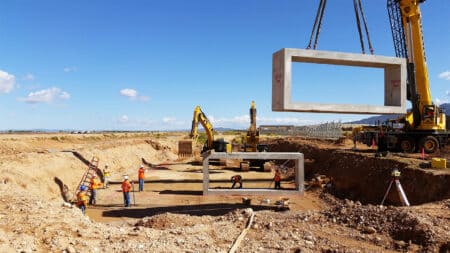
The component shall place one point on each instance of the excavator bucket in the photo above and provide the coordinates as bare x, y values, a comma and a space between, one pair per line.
185, 148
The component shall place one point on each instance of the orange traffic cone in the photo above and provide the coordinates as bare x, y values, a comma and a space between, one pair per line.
423, 154
373, 143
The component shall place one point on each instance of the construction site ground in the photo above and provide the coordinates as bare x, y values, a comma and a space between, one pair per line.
172, 215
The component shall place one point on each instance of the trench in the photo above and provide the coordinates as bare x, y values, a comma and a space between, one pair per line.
364, 177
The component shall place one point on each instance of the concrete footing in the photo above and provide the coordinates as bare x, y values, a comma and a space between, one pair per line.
394, 81
296, 157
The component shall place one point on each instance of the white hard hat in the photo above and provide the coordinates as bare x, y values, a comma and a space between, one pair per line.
125, 177
142, 166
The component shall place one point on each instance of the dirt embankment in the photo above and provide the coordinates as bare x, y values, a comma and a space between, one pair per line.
364, 177
33, 161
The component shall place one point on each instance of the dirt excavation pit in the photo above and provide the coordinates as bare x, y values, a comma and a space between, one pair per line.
172, 215
360, 176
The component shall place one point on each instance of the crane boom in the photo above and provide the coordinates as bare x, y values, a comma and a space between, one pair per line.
412, 26
406, 25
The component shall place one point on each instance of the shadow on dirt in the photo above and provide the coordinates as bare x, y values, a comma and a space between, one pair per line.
161, 166
201, 171
63, 188
181, 192
197, 210
98, 171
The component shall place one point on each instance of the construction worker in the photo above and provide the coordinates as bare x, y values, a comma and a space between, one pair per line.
82, 199
93, 186
277, 179
236, 179
106, 175
141, 177
126, 188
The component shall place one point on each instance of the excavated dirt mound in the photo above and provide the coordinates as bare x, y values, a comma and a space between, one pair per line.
409, 225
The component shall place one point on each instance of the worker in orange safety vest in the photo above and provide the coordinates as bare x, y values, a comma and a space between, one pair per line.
82, 199
236, 179
277, 179
141, 177
94, 185
126, 188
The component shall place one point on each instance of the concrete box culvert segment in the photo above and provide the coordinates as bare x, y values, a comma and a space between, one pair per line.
298, 159
394, 81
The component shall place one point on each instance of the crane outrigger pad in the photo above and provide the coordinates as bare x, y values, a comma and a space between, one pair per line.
394, 81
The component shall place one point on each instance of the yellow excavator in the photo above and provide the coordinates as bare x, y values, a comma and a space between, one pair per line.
251, 140
424, 127
185, 147
251, 144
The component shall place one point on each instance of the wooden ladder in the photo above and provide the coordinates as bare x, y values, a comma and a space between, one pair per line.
87, 176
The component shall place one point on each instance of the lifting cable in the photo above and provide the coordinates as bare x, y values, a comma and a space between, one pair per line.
359, 14
317, 24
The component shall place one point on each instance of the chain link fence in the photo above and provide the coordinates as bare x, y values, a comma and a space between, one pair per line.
328, 130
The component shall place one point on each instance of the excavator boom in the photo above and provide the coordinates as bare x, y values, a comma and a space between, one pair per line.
185, 146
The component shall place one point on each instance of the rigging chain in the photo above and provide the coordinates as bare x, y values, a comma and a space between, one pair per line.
359, 14
317, 24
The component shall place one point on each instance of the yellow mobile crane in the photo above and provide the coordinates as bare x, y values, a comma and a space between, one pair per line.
423, 128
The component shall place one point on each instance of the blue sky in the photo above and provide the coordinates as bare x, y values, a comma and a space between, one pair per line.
145, 65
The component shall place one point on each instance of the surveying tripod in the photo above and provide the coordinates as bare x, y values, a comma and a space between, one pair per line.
401, 193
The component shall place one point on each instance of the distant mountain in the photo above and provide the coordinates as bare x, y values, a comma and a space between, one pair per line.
382, 118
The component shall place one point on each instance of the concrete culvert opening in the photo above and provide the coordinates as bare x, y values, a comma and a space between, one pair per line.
360, 176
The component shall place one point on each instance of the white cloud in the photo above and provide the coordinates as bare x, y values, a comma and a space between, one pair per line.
70, 69
132, 94
123, 119
64, 95
7, 82
445, 75
143, 98
134, 123
439, 101
169, 119
447, 93
45, 96
172, 121
28, 77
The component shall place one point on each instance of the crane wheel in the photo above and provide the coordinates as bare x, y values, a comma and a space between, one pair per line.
407, 145
429, 144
